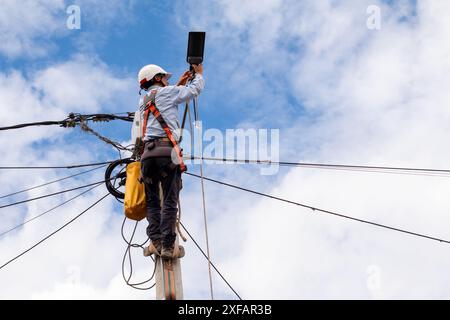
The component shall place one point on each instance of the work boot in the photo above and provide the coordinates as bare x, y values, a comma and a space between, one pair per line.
154, 248
173, 252
167, 252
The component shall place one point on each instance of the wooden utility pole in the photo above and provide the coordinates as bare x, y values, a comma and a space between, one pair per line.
169, 284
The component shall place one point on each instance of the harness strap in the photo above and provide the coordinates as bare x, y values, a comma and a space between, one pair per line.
150, 106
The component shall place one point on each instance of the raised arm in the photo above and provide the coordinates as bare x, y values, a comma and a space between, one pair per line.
192, 89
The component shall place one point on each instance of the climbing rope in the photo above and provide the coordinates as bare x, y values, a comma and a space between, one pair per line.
205, 220
179, 222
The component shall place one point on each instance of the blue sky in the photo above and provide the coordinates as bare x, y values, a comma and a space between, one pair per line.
154, 35
149, 33
338, 92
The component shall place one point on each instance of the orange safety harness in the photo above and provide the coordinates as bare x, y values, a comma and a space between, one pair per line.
150, 106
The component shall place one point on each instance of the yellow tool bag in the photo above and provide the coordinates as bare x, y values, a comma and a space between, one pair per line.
135, 204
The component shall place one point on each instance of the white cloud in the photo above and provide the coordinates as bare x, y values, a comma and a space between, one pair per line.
80, 85
25, 26
70, 290
366, 97
31, 28
93, 243
83, 84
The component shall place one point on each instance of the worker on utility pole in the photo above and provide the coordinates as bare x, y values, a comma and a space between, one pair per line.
161, 137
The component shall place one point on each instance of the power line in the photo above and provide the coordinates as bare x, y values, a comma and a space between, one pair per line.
324, 211
403, 170
212, 264
56, 167
40, 123
116, 145
51, 182
51, 194
47, 211
53, 233
73, 119
103, 117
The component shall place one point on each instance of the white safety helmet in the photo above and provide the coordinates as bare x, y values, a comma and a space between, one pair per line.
149, 71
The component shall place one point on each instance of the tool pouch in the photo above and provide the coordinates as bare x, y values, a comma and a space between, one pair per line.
154, 149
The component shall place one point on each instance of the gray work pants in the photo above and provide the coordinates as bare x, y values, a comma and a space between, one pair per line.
156, 171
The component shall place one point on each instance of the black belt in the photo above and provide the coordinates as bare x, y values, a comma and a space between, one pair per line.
157, 148
159, 142
158, 139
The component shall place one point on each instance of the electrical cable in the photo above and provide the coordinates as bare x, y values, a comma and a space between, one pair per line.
54, 232
73, 119
41, 123
324, 211
50, 195
205, 224
51, 182
403, 170
212, 264
205, 220
130, 245
115, 144
49, 210
55, 167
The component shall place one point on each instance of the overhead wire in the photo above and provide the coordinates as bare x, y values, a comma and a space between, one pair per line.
129, 243
102, 117
56, 167
325, 211
212, 264
47, 211
402, 170
106, 117
84, 126
205, 220
70, 121
347, 167
53, 233
51, 194
127, 252
205, 224
73, 119
29, 124
51, 182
